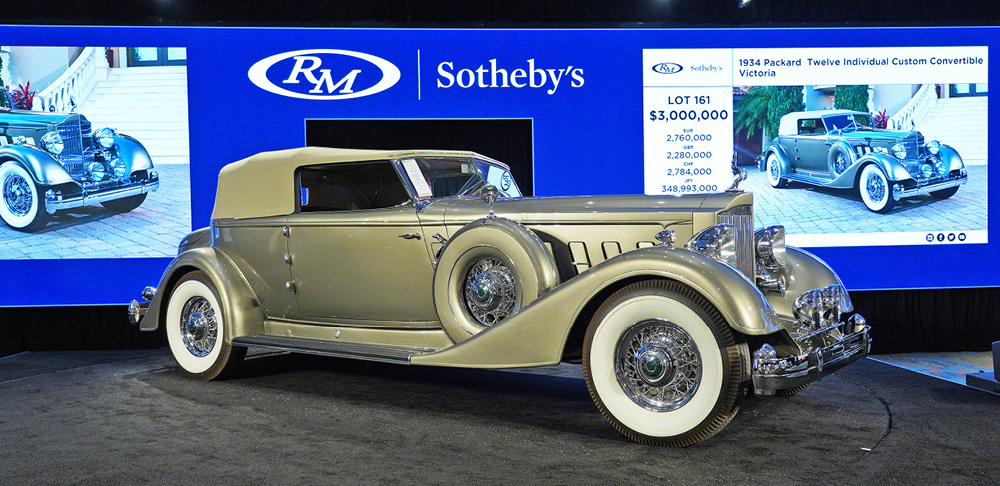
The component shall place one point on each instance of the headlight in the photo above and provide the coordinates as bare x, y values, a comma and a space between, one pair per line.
716, 242
96, 171
934, 147
770, 244
105, 137
899, 151
52, 142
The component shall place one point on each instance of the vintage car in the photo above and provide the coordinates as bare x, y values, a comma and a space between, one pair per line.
842, 149
52, 161
433, 258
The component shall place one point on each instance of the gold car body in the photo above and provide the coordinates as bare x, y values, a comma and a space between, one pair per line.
351, 283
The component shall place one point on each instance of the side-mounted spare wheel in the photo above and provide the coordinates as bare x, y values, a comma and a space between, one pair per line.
662, 364
196, 330
22, 207
487, 271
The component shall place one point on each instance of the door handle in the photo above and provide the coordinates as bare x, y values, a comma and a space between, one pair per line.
410, 236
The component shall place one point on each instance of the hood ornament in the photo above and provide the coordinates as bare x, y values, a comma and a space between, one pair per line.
739, 175
490, 194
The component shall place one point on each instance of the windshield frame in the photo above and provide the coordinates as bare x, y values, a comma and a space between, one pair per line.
470, 188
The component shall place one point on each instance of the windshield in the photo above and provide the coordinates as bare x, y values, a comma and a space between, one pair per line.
448, 177
848, 122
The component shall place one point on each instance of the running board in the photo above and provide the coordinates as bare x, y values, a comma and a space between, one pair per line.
802, 176
370, 352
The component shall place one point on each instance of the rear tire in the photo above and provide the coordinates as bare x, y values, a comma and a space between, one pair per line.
196, 330
663, 366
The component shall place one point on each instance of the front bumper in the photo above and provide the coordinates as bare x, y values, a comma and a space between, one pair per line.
55, 202
898, 192
771, 373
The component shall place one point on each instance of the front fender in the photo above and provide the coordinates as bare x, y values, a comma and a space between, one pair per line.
243, 316
536, 335
951, 157
133, 153
894, 170
803, 272
44, 169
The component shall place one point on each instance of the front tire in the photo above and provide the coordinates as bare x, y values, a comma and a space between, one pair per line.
875, 189
125, 204
196, 330
662, 364
774, 172
21, 208
945, 193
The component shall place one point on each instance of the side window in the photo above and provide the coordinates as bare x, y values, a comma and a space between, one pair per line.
350, 187
809, 126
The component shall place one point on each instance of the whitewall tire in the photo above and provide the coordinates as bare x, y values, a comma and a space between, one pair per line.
196, 330
663, 366
875, 189
21, 206
774, 176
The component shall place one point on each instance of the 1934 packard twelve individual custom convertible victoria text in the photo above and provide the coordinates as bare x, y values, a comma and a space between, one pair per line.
54, 161
434, 258
842, 149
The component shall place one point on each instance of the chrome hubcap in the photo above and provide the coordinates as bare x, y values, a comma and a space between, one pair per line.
876, 188
840, 165
490, 291
17, 195
199, 327
774, 171
657, 364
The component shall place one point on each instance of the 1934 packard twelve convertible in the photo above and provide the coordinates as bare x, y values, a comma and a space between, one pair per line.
56, 161
433, 258
841, 149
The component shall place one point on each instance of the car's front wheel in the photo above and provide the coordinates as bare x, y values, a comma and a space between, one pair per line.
21, 208
125, 204
663, 366
196, 330
875, 189
945, 193
774, 172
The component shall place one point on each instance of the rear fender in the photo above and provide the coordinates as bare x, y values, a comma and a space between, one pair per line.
243, 315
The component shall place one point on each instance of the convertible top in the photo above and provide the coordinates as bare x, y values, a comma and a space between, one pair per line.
264, 184
788, 125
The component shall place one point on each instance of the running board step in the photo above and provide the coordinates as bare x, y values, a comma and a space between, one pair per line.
370, 352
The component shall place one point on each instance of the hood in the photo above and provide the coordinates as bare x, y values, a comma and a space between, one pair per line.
32, 119
588, 209
879, 135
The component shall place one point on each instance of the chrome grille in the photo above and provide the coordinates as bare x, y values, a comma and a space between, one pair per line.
912, 141
77, 146
741, 217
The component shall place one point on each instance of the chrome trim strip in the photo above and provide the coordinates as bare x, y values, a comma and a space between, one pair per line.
101, 196
370, 352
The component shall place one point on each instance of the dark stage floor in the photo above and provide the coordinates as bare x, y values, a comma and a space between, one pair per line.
130, 417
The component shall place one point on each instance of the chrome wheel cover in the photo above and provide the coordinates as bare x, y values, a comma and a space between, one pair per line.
490, 291
840, 163
658, 365
875, 187
773, 170
199, 326
17, 195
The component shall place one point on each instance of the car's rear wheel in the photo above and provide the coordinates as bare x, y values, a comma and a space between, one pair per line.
774, 176
663, 366
196, 330
875, 189
945, 193
125, 204
22, 207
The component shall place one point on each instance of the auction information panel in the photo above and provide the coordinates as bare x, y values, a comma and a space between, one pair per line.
689, 112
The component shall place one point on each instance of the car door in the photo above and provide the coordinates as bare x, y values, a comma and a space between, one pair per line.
811, 144
357, 250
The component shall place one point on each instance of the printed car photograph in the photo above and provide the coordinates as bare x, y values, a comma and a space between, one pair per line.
843, 149
434, 258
